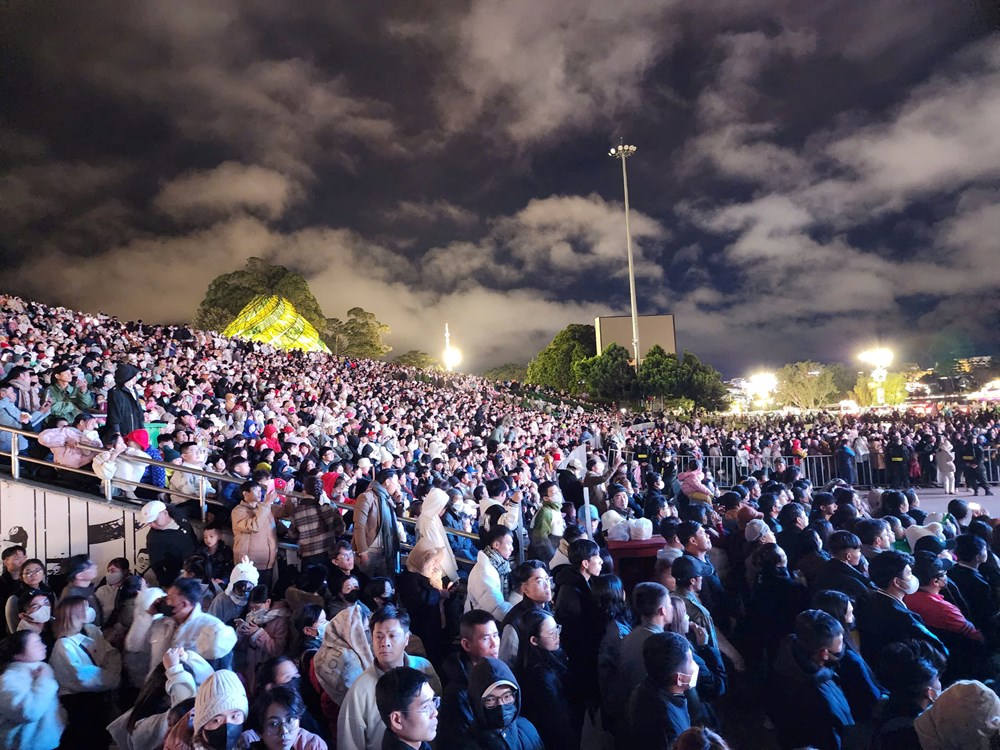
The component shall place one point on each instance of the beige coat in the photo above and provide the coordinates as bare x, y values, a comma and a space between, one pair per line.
254, 535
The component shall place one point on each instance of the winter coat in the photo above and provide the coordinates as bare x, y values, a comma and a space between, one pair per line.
267, 642
885, 620
544, 697
86, 663
254, 535
31, 717
201, 632
609, 672
656, 717
485, 590
518, 734
810, 708
859, 684
168, 549
63, 442
455, 716
359, 724
151, 731
583, 626
775, 603
125, 415
837, 575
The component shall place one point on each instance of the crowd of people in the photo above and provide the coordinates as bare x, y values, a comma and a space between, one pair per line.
447, 579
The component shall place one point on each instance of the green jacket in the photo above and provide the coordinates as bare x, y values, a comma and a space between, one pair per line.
70, 402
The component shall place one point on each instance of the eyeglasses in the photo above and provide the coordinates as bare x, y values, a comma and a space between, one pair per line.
281, 726
428, 708
555, 632
491, 701
32, 572
542, 580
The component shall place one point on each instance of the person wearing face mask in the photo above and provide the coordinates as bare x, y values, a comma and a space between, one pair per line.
231, 603
31, 717
886, 619
495, 696
914, 684
658, 707
865, 693
184, 625
543, 671
261, 634
87, 669
35, 614
810, 709
81, 572
216, 721
108, 591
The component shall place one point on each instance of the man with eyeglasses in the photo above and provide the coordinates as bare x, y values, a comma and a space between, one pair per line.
531, 579
496, 705
408, 708
360, 724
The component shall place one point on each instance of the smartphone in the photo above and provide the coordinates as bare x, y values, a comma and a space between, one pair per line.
975, 507
239, 622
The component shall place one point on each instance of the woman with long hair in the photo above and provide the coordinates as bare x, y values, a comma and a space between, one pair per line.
543, 674
119, 618
87, 669
609, 595
30, 715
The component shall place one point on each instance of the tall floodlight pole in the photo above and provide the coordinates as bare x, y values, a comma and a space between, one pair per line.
623, 151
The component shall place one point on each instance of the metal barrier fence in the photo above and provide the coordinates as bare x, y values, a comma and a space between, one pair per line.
18, 459
727, 470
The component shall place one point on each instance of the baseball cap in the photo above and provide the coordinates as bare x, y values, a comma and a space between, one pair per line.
150, 511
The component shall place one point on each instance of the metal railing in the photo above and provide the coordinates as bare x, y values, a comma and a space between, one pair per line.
108, 486
820, 469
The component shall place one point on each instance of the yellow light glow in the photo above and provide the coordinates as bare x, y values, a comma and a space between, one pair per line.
878, 358
452, 358
762, 384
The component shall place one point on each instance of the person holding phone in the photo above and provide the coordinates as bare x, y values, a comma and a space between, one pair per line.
254, 533
67, 399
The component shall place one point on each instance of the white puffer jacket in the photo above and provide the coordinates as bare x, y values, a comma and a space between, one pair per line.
31, 717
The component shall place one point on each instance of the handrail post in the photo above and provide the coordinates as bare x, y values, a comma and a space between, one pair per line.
109, 490
15, 452
202, 500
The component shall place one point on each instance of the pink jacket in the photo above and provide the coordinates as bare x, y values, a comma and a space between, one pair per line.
693, 481
62, 441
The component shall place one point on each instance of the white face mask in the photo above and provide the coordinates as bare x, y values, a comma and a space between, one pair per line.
694, 678
321, 629
91, 615
41, 615
113, 579
912, 584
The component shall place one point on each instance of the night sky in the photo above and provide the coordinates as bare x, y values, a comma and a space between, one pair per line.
811, 177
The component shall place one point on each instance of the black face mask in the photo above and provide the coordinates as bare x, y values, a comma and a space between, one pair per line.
224, 737
500, 717
352, 597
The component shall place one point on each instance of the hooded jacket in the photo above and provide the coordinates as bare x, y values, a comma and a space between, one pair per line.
518, 733
812, 710
125, 414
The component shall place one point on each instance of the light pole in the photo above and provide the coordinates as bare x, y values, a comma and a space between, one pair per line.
622, 151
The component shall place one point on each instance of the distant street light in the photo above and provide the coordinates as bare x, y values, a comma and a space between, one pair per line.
879, 359
761, 385
623, 152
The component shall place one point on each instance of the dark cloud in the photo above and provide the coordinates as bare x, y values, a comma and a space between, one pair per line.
810, 177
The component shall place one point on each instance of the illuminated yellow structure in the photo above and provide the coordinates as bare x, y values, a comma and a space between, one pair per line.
273, 320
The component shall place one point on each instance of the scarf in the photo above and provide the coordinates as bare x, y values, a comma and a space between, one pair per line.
260, 618
503, 568
387, 528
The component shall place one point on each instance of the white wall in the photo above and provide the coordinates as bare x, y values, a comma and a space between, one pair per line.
54, 525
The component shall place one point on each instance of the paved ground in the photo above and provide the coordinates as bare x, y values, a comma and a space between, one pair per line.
935, 500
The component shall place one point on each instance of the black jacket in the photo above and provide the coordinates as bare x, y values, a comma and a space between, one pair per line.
809, 708
885, 620
656, 717
517, 734
774, 604
423, 602
168, 549
582, 625
978, 594
837, 575
455, 716
124, 412
545, 700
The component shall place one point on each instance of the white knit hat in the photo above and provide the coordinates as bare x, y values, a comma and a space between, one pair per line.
221, 692
244, 571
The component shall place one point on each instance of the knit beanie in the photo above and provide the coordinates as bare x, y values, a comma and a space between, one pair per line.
220, 693
964, 717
